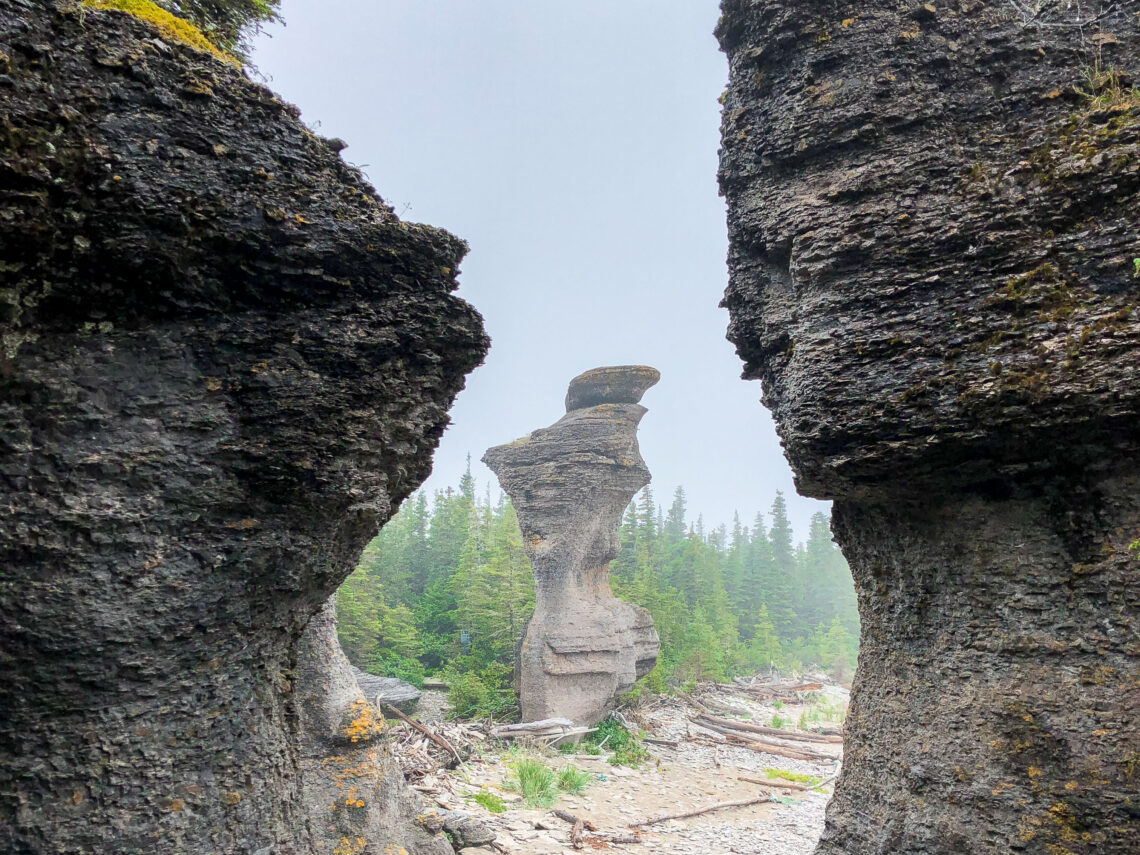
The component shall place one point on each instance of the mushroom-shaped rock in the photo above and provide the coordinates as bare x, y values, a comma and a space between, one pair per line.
570, 484
616, 384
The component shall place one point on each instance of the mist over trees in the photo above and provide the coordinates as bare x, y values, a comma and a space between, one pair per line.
446, 588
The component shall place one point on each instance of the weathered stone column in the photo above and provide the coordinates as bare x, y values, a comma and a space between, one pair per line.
224, 362
933, 220
352, 788
570, 485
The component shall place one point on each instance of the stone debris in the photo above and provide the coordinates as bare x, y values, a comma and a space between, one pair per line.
693, 775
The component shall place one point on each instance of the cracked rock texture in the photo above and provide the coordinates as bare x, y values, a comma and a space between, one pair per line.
224, 363
932, 234
570, 483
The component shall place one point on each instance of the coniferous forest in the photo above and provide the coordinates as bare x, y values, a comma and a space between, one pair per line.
446, 588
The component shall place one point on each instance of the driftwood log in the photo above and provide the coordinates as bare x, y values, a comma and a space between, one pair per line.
765, 745
709, 809
770, 731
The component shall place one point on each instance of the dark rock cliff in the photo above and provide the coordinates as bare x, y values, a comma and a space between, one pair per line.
224, 362
934, 211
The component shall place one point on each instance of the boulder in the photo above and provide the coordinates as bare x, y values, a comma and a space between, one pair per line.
387, 690
570, 484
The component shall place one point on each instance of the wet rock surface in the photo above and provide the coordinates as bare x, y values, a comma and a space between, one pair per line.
931, 270
570, 484
224, 363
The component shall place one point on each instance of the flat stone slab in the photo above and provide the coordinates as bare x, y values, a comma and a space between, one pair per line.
389, 690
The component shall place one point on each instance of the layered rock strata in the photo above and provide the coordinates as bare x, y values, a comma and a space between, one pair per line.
224, 363
570, 484
933, 222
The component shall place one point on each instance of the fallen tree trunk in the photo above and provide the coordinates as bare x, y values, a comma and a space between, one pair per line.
709, 809
776, 785
766, 745
546, 729
770, 731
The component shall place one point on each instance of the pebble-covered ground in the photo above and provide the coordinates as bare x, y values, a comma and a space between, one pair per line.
677, 779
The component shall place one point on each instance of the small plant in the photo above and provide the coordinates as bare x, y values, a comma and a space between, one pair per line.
778, 705
535, 782
573, 780
778, 722
795, 777
1106, 90
490, 801
626, 747
1136, 268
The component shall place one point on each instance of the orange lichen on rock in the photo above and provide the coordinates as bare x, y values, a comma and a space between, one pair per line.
361, 723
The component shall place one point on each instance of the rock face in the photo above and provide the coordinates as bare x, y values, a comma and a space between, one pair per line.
224, 362
931, 269
570, 485
387, 690
352, 789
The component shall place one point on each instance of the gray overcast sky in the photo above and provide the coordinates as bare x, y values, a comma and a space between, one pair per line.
573, 144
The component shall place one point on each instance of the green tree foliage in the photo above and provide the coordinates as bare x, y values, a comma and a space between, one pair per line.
446, 587
227, 23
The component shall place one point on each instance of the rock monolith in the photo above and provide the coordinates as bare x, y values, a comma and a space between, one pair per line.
570, 483
933, 226
224, 361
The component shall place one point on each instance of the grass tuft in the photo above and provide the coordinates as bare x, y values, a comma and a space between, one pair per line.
573, 780
535, 782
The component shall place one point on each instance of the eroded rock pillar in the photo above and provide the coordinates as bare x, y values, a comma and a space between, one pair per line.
932, 215
224, 362
570, 485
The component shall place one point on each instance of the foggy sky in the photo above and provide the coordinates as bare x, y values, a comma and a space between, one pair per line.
573, 144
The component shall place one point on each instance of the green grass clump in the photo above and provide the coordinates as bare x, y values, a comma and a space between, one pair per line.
611, 736
490, 801
778, 722
535, 782
573, 780
796, 777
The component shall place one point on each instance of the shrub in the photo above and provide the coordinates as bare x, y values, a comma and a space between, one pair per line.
778, 722
390, 664
626, 747
479, 694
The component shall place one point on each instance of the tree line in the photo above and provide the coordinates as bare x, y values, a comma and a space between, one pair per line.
446, 588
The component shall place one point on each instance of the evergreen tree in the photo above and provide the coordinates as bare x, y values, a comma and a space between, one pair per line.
447, 585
